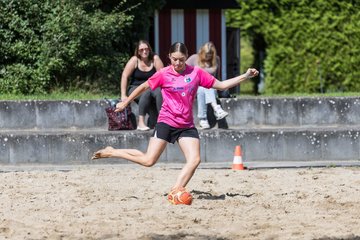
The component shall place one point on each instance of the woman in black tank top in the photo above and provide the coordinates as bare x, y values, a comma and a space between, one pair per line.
138, 69
138, 77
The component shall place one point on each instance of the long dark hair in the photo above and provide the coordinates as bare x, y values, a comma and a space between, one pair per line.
178, 47
136, 52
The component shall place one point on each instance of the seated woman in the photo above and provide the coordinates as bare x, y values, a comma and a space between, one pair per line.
139, 69
208, 60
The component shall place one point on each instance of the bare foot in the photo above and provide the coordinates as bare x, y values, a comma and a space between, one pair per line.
103, 153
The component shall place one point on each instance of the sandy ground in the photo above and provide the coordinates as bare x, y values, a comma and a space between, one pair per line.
128, 202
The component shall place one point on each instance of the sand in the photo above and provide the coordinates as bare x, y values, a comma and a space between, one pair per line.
127, 201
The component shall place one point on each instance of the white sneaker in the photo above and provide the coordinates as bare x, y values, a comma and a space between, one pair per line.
204, 124
220, 113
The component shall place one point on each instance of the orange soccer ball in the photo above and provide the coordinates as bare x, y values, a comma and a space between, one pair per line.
180, 196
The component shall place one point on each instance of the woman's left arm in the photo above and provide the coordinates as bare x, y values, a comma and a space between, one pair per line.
158, 63
232, 82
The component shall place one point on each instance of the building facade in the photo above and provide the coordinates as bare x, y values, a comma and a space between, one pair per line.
194, 23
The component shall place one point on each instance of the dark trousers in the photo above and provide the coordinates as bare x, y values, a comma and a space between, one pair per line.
149, 103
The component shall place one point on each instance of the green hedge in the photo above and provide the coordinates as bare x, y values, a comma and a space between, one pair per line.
310, 45
68, 44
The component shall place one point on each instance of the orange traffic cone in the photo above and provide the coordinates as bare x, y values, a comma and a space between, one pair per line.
238, 163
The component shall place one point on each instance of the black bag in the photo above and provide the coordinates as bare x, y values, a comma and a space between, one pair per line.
119, 120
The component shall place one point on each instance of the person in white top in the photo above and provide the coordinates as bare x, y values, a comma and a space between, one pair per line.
208, 60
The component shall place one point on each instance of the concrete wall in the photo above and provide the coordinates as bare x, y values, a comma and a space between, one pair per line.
280, 129
282, 112
216, 145
52, 114
244, 112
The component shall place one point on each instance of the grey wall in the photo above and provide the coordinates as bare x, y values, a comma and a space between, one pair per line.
268, 129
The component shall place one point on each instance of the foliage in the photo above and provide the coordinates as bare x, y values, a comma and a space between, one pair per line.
247, 59
58, 95
85, 95
67, 44
247, 53
310, 45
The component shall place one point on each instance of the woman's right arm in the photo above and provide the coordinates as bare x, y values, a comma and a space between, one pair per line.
128, 70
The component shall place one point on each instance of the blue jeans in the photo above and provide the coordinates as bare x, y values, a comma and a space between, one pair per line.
205, 96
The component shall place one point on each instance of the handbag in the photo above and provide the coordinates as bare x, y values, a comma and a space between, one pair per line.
118, 120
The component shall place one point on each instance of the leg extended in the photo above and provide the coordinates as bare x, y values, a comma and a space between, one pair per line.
149, 158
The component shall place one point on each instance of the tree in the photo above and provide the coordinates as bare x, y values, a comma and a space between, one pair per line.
311, 46
68, 44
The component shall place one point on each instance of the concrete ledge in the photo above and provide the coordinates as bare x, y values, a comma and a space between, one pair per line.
52, 114
244, 112
252, 112
296, 130
290, 144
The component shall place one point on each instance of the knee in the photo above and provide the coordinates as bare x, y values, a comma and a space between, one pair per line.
158, 97
149, 162
195, 162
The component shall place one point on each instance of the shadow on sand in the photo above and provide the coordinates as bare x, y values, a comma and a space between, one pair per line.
209, 196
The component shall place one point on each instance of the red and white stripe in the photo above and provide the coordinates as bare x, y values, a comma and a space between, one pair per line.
193, 27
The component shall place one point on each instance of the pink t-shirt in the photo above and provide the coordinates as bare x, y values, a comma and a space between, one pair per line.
179, 91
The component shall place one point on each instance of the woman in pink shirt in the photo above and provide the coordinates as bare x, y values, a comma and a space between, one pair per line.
179, 83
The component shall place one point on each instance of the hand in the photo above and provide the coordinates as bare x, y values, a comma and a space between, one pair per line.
251, 72
120, 106
123, 98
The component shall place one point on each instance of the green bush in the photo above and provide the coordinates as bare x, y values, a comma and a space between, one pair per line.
68, 44
310, 45
19, 79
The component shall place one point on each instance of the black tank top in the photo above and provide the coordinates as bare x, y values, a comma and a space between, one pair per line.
138, 77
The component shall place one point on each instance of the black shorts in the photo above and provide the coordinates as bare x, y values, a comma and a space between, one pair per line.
171, 134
